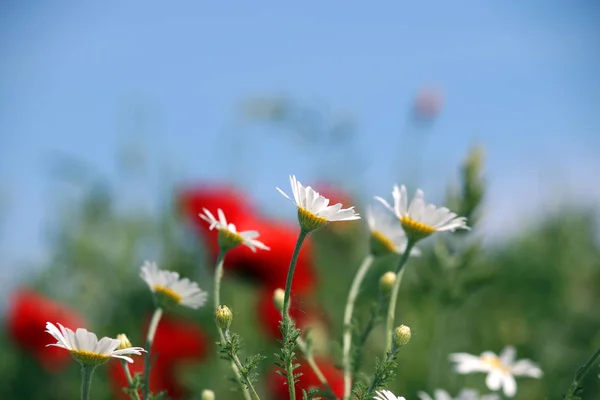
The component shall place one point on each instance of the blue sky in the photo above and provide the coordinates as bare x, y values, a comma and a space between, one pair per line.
520, 78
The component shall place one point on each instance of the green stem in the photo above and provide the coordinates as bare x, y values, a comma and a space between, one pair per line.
394, 296
217, 303
86, 380
149, 339
347, 339
580, 374
237, 364
286, 309
125, 366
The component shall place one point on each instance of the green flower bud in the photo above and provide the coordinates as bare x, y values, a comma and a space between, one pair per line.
125, 343
207, 394
278, 298
223, 316
386, 282
401, 335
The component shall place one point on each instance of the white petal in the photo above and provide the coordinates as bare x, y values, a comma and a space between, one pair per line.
509, 385
508, 355
494, 380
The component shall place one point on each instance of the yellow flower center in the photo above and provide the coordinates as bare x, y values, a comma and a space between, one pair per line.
165, 293
89, 358
380, 244
310, 221
415, 230
229, 240
494, 362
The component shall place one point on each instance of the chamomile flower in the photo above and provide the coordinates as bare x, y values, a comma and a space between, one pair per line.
169, 289
420, 219
387, 235
314, 210
465, 394
229, 237
501, 369
86, 348
386, 395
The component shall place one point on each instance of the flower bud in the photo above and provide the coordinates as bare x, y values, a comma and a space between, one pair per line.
223, 316
125, 343
207, 394
278, 298
386, 282
401, 335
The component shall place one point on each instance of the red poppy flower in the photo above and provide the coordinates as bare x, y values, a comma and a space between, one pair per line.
306, 314
429, 102
335, 378
26, 323
176, 342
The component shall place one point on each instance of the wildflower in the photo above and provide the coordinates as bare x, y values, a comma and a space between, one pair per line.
501, 370
429, 101
278, 296
169, 289
229, 237
223, 316
386, 395
314, 210
387, 234
207, 394
278, 388
125, 343
401, 335
419, 219
26, 319
465, 394
85, 347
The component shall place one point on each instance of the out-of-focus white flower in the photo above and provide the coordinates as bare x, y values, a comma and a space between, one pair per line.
420, 219
169, 288
465, 394
501, 370
229, 237
86, 348
387, 234
386, 395
314, 210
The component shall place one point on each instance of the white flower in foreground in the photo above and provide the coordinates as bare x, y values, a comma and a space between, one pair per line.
169, 289
386, 395
229, 237
314, 210
420, 219
501, 369
86, 348
387, 235
465, 394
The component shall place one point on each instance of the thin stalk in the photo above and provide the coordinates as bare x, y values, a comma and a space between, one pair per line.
580, 374
149, 339
217, 303
286, 309
394, 296
129, 378
238, 367
86, 380
347, 339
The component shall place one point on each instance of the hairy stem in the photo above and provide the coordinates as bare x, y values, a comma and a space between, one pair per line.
347, 339
217, 303
237, 364
394, 297
86, 380
125, 366
580, 374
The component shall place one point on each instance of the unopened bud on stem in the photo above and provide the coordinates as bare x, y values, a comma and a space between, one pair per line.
207, 394
386, 282
401, 335
278, 298
223, 316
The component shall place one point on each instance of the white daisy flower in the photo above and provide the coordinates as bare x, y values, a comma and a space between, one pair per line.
420, 219
86, 348
169, 289
501, 369
465, 394
229, 237
314, 210
387, 235
386, 395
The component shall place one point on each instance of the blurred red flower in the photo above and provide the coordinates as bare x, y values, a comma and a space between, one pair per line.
335, 378
268, 268
429, 102
27, 315
177, 342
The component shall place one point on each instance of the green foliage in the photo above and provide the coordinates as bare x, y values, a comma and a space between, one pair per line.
287, 356
229, 351
385, 370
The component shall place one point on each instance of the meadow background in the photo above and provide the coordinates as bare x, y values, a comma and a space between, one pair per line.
113, 116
